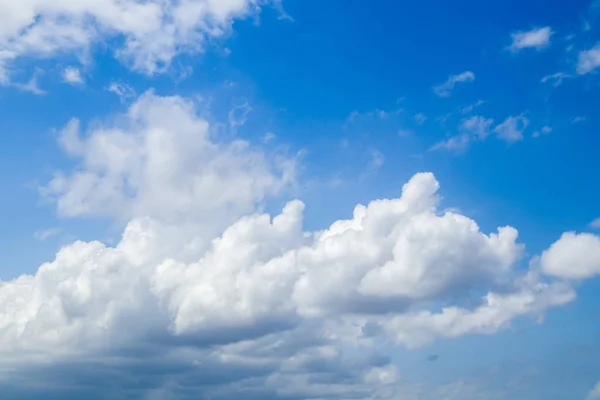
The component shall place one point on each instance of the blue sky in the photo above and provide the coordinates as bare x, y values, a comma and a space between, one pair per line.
337, 103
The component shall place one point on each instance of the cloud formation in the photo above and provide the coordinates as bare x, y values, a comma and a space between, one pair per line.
207, 295
574, 256
72, 76
511, 130
446, 88
151, 33
588, 60
537, 38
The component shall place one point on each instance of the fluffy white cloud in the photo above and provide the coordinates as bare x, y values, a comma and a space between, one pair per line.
156, 159
537, 38
205, 288
573, 256
151, 32
446, 88
588, 60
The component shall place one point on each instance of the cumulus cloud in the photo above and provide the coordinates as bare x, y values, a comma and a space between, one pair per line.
588, 60
573, 256
446, 88
151, 33
207, 295
537, 38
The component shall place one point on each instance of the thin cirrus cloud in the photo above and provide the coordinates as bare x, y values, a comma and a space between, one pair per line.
211, 294
445, 89
555, 79
537, 38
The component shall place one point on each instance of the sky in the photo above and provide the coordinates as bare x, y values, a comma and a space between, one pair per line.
299, 199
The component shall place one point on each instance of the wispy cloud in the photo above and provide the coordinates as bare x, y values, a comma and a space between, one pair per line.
44, 234
479, 128
32, 85
555, 79
471, 107
595, 224
476, 128
238, 115
537, 38
446, 88
545, 130
511, 130
123, 90
420, 118
377, 159
268, 137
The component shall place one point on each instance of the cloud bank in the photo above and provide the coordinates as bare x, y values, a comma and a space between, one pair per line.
208, 296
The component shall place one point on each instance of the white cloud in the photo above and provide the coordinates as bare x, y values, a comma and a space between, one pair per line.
595, 393
238, 115
204, 287
577, 120
595, 224
471, 107
32, 85
511, 130
420, 118
588, 60
46, 233
157, 158
497, 312
269, 137
573, 256
152, 32
377, 159
445, 89
555, 79
476, 128
123, 90
537, 38
545, 130
72, 76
